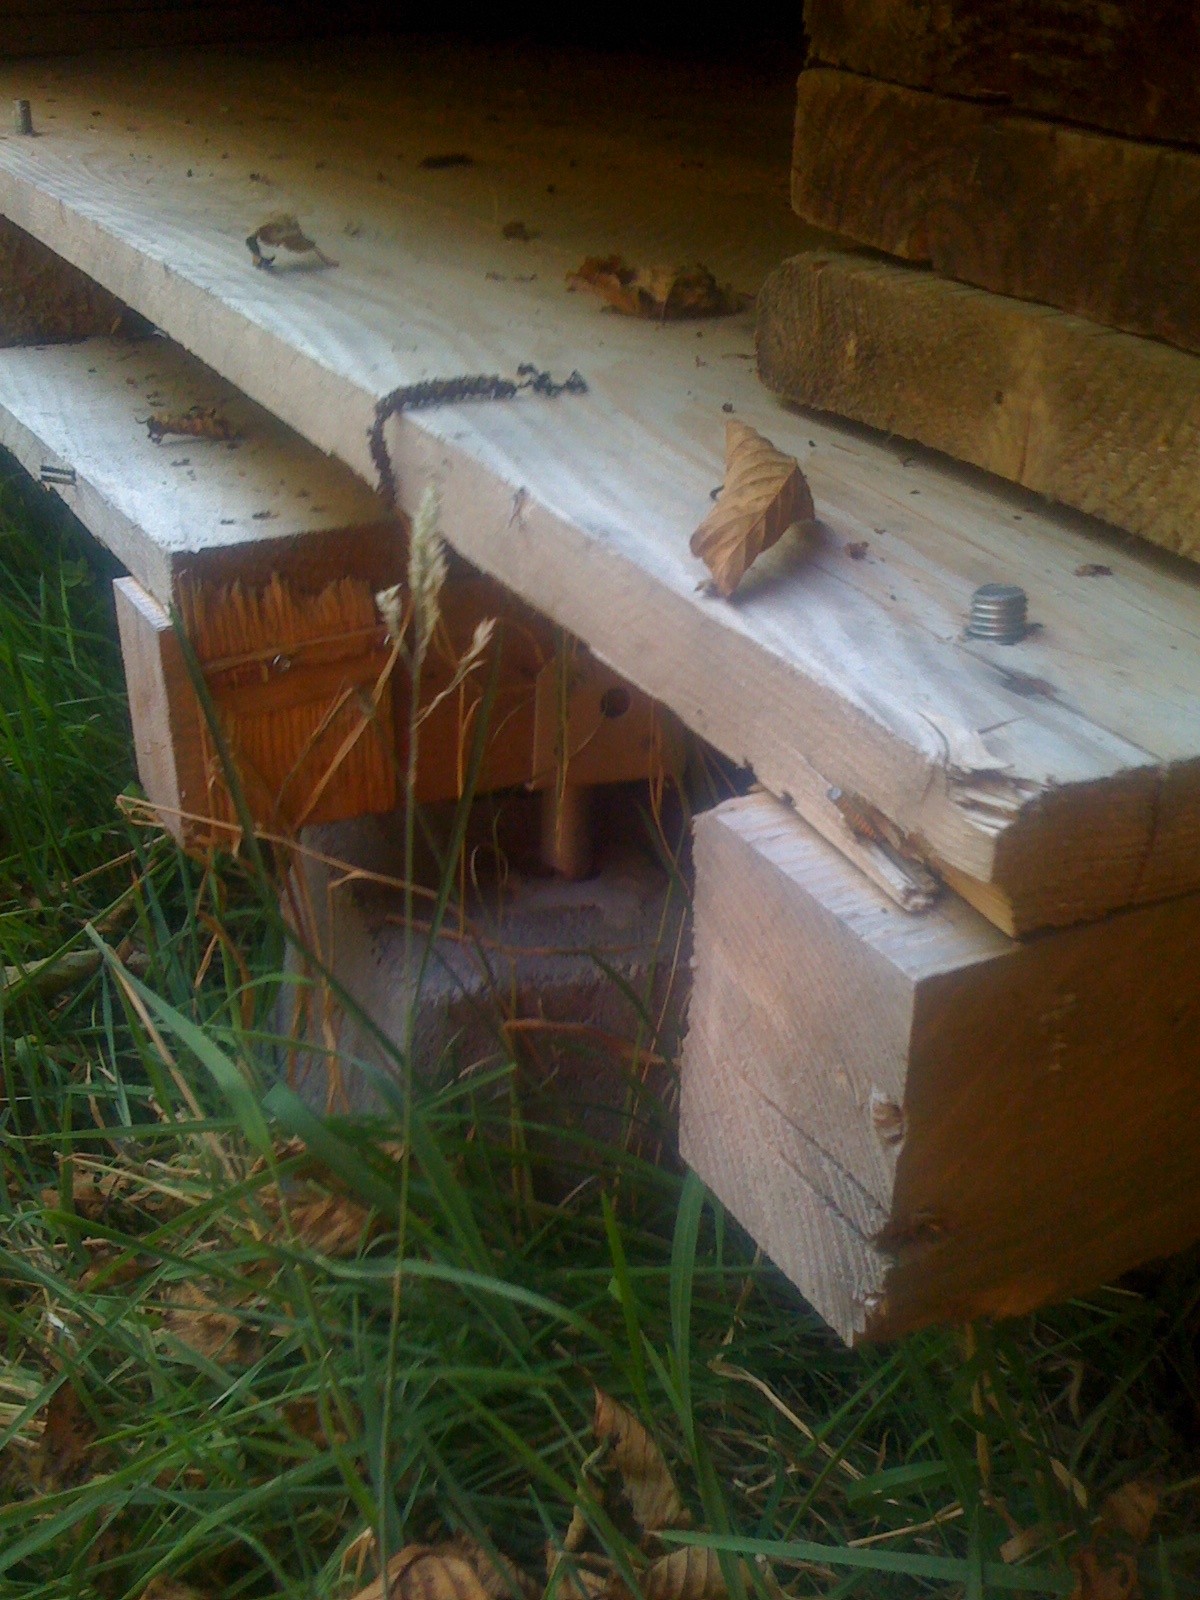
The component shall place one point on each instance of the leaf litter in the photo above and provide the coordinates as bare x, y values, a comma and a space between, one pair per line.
665, 294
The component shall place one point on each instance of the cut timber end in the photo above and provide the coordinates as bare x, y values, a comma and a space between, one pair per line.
1099, 420
1131, 69
918, 1119
1104, 227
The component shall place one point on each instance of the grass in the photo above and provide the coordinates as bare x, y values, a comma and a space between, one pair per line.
243, 1346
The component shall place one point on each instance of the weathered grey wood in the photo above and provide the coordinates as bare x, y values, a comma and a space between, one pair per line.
827, 672
1097, 419
1132, 68
1105, 227
164, 711
917, 1118
75, 416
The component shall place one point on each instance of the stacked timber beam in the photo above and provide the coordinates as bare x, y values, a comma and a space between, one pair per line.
918, 1117
1018, 150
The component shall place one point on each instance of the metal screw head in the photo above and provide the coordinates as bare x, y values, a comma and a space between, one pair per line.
998, 613
22, 117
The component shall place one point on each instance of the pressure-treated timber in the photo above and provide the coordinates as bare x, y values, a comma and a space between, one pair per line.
1102, 226
1097, 419
1132, 68
834, 673
919, 1119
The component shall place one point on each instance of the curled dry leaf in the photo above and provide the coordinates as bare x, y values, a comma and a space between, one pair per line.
427, 1572
584, 1577
645, 1477
666, 293
688, 1574
200, 1323
283, 232
197, 422
68, 1434
765, 494
329, 1224
1131, 1510
1103, 1580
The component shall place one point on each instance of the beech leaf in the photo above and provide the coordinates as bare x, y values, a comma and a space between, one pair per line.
645, 1476
688, 1574
666, 293
427, 1572
765, 494
1131, 1510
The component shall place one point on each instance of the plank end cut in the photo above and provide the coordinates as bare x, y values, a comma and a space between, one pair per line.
1102, 226
919, 1119
1099, 420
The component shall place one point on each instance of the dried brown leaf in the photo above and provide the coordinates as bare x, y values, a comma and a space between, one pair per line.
665, 293
171, 1589
283, 231
765, 494
199, 1322
645, 1477
329, 1224
688, 1574
197, 422
68, 1434
586, 1577
427, 1572
1099, 1580
1131, 1510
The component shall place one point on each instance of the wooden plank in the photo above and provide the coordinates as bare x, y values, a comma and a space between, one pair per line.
76, 417
1098, 419
162, 708
1101, 226
1131, 69
828, 673
917, 1118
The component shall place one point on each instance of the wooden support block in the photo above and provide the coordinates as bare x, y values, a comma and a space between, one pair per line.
1101, 226
163, 709
1097, 419
919, 1119
1132, 69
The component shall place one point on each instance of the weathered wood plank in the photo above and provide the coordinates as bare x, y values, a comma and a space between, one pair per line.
1097, 419
919, 1119
1092, 224
826, 672
1131, 69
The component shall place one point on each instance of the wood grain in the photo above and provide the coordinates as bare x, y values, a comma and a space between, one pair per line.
1087, 416
1130, 69
917, 1118
1101, 226
831, 672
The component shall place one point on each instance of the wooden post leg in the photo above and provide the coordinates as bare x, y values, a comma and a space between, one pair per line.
567, 829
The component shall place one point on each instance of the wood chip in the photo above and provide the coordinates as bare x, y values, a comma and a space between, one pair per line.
765, 494
666, 293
